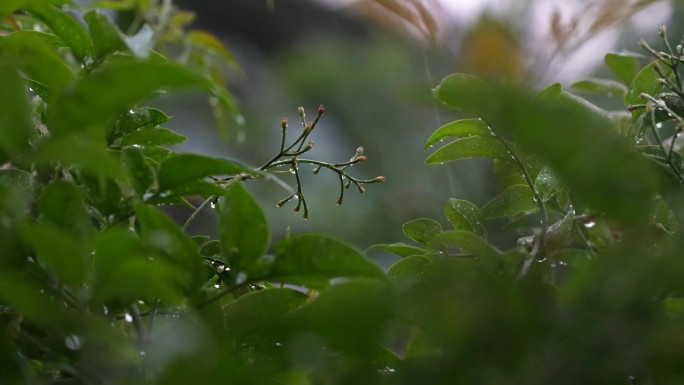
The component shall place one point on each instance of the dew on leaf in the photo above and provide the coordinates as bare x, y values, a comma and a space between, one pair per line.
73, 342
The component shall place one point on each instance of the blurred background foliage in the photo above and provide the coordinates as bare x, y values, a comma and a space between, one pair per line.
372, 63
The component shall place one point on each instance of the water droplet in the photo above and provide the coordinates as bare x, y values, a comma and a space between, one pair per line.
296, 197
73, 342
105, 310
241, 278
216, 285
142, 353
213, 205
590, 224
128, 318
659, 125
278, 344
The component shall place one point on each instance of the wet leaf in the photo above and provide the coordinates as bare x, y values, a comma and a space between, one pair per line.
514, 200
601, 86
106, 36
459, 128
211, 249
71, 150
644, 82
466, 241
314, 260
422, 230
408, 269
244, 232
261, 311
464, 215
66, 27
180, 169
36, 58
62, 204
548, 184
160, 233
133, 120
466, 93
126, 83
15, 123
625, 66
120, 256
401, 249
470, 147
152, 136
140, 172
558, 234
58, 249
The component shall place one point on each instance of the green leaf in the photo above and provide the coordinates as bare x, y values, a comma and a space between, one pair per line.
548, 184
459, 128
313, 260
551, 93
211, 249
152, 136
160, 233
204, 189
58, 249
623, 184
464, 215
88, 155
579, 105
18, 179
212, 44
466, 93
29, 300
133, 120
558, 234
401, 249
514, 200
601, 86
422, 230
470, 147
36, 58
646, 81
106, 93
625, 66
15, 123
184, 168
468, 242
409, 268
106, 36
244, 232
349, 315
261, 311
62, 205
120, 256
140, 172
66, 27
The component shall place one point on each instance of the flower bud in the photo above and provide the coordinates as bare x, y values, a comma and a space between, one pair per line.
283, 123
321, 110
300, 111
308, 128
379, 179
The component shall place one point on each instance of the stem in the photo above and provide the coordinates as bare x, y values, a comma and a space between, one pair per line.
137, 322
197, 211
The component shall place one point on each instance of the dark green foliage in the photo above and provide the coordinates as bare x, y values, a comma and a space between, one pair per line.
99, 285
